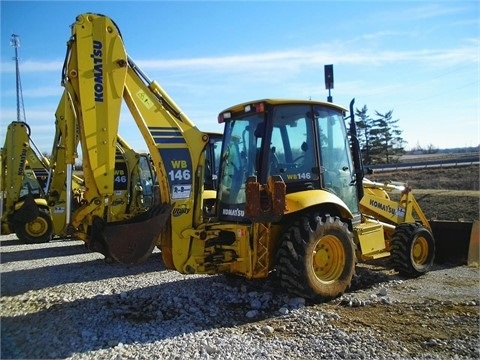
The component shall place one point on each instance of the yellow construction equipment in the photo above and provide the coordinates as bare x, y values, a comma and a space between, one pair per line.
34, 201
24, 209
290, 200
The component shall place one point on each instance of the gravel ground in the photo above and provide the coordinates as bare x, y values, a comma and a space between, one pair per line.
58, 300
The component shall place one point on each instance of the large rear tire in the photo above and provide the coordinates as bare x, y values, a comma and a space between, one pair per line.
39, 230
316, 259
412, 249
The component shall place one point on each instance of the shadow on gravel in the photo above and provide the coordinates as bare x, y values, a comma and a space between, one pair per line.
45, 252
140, 316
12, 242
57, 327
16, 242
370, 274
62, 328
20, 281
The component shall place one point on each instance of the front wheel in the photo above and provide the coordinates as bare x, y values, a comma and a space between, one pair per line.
39, 230
412, 249
316, 258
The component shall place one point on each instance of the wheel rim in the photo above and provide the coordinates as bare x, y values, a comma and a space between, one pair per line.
328, 258
420, 250
37, 227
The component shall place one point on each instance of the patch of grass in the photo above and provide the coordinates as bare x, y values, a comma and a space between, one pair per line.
446, 178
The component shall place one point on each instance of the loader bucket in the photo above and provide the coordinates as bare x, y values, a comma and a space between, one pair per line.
452, 240
131, 241
474, 248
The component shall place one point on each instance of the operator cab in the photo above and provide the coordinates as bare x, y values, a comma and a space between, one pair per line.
304, 142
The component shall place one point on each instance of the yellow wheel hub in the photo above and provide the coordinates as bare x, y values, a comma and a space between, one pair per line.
420, 250
36, 227
328, 258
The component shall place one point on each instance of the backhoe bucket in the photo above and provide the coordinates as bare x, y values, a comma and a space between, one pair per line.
131, 241
455, 241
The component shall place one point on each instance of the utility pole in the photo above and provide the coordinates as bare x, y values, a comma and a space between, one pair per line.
15, 42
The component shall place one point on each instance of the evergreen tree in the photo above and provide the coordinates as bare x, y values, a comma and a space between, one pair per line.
364, 125
386, 142
380, 138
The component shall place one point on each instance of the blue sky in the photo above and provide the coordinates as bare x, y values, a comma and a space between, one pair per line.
417, 58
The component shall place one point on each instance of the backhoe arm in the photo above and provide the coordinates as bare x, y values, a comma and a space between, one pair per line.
88, 115
97, 84
177, 149
14, 158
93, 78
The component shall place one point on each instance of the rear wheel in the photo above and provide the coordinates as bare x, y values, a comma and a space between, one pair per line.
316, 259
39, 230
412, 249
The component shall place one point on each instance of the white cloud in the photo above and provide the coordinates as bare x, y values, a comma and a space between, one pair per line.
30, 66
286, 60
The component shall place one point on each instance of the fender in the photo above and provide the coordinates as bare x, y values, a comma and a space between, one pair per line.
301, 200
40, 202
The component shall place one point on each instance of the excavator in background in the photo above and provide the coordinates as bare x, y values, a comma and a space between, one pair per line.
36, 211
290, 200
34, 199
24, 209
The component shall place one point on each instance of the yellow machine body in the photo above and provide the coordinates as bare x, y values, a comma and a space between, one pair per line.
288, 192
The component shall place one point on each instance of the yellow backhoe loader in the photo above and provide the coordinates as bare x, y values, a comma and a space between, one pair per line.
24, 209
290, 198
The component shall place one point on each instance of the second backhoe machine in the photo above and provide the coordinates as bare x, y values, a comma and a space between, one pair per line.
33, 187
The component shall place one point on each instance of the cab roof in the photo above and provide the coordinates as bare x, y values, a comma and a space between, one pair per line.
240, 107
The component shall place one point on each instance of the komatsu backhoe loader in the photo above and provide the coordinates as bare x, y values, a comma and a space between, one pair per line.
290, 195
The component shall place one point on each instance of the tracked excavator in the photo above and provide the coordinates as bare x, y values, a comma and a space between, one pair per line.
290, 199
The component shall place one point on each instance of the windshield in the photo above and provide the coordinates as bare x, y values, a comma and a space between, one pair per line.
147, 179
292, 145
